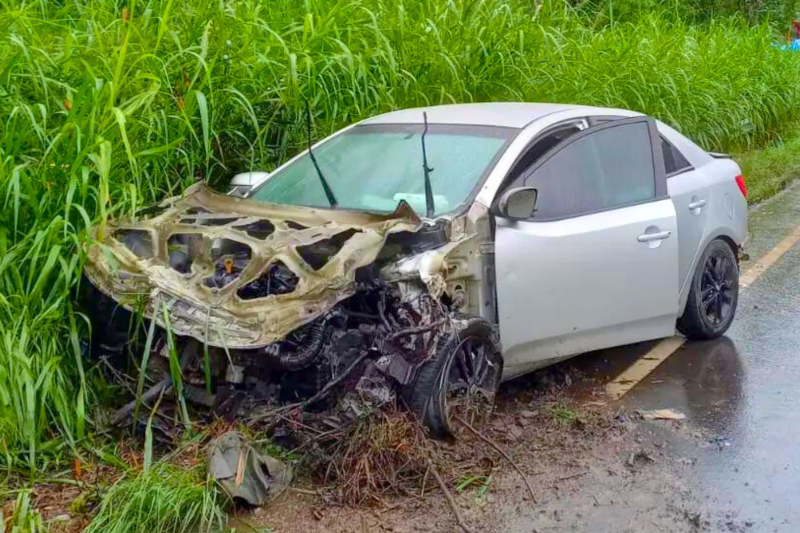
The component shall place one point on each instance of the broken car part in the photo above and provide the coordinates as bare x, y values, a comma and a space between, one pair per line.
243, 472
231, 272
274, 305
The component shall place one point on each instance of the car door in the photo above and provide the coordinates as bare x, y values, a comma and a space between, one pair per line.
597, 264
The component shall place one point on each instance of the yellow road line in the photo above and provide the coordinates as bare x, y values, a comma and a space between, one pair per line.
769, 259
643, 366
661, 351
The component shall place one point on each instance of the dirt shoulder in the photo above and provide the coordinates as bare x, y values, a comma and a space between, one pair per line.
593, 467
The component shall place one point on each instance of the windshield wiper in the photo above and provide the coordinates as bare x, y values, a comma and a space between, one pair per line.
322, 180
429, 207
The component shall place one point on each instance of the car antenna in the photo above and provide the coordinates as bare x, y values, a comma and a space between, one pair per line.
325, 186
429, 207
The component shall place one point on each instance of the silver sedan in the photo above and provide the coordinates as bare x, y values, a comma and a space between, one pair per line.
434, 252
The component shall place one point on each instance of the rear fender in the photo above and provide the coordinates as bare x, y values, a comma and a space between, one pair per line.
721, 233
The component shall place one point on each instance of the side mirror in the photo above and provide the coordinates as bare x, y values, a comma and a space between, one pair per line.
242, 183
518, 203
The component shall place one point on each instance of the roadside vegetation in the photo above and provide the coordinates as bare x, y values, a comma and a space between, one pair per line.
163, 499
770, 169
106, 107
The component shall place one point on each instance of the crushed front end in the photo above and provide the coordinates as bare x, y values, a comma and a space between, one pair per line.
266, 305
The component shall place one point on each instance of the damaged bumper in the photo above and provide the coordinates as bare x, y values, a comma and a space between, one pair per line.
234, 273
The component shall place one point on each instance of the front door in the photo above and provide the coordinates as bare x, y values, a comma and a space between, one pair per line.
597, 265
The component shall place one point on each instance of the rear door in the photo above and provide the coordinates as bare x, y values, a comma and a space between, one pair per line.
597, 265
688, 189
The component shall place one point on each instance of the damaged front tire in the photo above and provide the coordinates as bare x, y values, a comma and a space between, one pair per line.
461, 380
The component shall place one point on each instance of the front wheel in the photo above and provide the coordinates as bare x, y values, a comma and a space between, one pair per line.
461, 380
713, 295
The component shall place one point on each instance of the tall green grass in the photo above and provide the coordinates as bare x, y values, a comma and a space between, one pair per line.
23, 517
161, 499
105, 108
778, 12
773, 168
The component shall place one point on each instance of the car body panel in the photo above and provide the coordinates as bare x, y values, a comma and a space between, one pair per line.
724, 214
570, 286
688, 191
720, 218
505, 114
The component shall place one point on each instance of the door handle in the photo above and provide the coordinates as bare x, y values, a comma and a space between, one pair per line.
650, 237
699, 204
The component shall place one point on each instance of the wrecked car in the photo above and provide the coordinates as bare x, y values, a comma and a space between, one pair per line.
430, 254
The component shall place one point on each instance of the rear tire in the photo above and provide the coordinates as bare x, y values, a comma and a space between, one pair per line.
714, 294
441, 387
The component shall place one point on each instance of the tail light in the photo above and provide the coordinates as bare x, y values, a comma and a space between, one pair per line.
742, 185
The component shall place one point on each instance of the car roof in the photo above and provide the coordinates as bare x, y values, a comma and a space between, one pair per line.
504, 114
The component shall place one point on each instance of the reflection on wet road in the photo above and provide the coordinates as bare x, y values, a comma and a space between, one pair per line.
704, 380
744, 390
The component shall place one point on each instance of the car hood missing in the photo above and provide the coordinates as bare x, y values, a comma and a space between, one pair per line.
237, 273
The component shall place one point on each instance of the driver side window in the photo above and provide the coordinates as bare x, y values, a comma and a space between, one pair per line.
541, 146
604, 169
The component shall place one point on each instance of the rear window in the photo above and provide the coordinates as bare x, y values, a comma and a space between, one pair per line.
674, 161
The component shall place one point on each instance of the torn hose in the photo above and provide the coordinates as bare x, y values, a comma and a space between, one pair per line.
306, 356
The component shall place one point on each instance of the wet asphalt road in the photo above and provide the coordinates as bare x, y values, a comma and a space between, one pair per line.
742, 392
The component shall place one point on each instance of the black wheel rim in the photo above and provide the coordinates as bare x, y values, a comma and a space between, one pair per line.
717, 288
472, 379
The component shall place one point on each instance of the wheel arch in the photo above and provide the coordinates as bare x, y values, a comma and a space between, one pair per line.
721, 234
730, 242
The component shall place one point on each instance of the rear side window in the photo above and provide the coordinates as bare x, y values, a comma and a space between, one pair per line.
674, 161
608, 168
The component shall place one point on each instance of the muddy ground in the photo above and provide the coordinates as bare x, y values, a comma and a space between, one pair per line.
594, 466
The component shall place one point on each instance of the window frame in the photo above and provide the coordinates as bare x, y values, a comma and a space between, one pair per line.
680, 171
611, 118
581, 123
598, 124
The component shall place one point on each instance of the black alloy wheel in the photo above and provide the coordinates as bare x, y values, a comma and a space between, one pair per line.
471, 382
460, 381
714, 294
717, 286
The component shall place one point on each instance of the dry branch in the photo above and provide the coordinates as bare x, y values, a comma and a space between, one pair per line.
450, 500
151, 394
507, 457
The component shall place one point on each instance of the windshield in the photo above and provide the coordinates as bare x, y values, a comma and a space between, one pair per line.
373, 167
